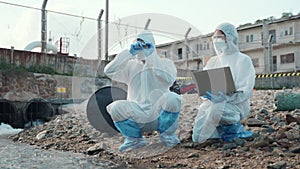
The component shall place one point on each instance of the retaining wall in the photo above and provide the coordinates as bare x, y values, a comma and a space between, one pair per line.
27, 97
277, 80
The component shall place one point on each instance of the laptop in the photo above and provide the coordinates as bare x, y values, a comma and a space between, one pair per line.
214, 80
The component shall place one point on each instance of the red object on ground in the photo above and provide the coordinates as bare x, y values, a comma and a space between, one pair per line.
187, 88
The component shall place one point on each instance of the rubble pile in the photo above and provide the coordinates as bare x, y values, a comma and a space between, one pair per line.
274, 145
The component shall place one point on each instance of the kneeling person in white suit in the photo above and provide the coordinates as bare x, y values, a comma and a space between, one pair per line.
150, 105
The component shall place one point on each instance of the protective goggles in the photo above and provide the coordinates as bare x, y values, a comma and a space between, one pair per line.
144, 44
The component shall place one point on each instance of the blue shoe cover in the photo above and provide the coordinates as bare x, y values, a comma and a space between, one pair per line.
234, 131
129, 128
230, 137
169, 139
132, 143
167, 125
166, 120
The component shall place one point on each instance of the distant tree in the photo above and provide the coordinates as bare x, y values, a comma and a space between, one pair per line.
286, 14
246, 24
258, 21
271, 18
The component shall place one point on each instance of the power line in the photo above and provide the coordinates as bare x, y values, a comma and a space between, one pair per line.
51, 11
85, 17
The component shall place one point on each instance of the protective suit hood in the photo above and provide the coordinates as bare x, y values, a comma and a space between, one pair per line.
231, 37
146, 36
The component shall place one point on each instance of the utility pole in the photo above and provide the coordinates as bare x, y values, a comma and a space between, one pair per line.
99, 34
270, 53
187, 51
147, 24
265, 46
44, 27
106, 30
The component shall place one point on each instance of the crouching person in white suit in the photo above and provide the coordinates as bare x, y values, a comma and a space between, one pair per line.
220, 114
150, 105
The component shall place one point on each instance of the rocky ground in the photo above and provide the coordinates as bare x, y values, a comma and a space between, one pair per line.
275, 143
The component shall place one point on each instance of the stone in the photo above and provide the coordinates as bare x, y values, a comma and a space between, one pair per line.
239, 142
41, 135
295, 150
277, 152
259, 117
265, 112
230, 146
289, 119
278, 165
267, 128
95, 149
252, 122
261, 141
292, 134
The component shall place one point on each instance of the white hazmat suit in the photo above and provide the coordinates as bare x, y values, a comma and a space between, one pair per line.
222, 119
150, 105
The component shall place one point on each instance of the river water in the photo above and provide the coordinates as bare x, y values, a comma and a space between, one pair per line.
15, 155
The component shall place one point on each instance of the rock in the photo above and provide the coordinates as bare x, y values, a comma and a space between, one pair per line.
230, 146
289, 119
261, 141
239, 142
252, 122
41, 135
259, 117
278, 165
280, 135
277, 152
265, 112
267, 128
295, 150
292, 134
193, 155
95, 149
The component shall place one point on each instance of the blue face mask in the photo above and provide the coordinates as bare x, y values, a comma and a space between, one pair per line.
220, 45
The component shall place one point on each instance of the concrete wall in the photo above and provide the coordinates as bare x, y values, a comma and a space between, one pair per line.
278, 82
63, 64
25, 86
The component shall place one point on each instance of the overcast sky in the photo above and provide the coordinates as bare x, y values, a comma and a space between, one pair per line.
21, 26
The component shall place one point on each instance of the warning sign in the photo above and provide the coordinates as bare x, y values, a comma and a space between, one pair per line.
61, 90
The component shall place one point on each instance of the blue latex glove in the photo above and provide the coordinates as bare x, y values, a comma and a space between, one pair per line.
135, 48
215, 98
148, 48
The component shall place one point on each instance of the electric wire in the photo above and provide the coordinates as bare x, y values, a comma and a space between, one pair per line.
90, 18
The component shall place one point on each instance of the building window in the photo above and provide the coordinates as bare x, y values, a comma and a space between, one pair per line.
273, 32
255, 62
288, 58
249, 38
291, 31
207, 46
201, 47
179, 53
165, 54
286, 31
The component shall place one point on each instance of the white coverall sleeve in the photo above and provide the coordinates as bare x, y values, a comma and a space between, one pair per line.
117, 69
244, 83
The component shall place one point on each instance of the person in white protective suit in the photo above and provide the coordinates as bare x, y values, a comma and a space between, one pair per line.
220, 114
150, 105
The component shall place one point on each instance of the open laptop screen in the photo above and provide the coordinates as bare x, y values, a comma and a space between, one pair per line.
214, 80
